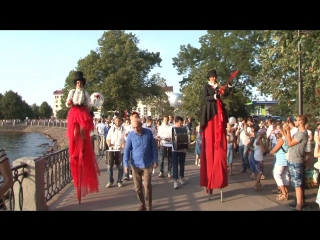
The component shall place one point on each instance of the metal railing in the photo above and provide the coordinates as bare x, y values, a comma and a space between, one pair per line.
35, 123
57, 173
19, 174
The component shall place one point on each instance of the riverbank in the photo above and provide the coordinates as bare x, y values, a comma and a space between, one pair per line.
56, 134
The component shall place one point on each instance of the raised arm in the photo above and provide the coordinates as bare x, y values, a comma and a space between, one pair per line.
87, 99
277, 146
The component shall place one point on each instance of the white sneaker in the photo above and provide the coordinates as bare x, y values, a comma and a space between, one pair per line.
119, 184
182, 182
175, 185
169, 175
161, 175
130, 176
109, 185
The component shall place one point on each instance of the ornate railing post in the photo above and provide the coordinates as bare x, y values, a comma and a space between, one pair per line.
14, 197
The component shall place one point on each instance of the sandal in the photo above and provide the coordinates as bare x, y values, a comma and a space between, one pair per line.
252, 178
282, 197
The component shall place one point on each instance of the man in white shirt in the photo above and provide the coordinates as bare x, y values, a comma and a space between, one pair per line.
171, 122
165, 137
116, 141
101, 131
149, 125
243, 133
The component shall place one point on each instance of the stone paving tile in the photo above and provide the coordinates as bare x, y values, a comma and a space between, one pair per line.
237, 196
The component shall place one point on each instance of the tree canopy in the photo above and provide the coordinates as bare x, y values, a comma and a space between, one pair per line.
119, 70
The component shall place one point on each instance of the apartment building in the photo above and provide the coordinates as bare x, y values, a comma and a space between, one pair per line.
56, 104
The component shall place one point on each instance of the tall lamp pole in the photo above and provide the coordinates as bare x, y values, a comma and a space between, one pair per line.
300, 78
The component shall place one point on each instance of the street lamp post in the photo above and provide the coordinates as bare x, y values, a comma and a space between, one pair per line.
300, 90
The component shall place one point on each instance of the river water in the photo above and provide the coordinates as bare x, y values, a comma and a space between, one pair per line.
20, 144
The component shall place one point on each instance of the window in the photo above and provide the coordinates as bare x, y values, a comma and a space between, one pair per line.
56, 106
139, 111
145, 113
56, 101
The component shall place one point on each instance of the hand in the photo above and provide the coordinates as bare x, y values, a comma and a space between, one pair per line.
155, 165
70, 102
126, 169
286, 127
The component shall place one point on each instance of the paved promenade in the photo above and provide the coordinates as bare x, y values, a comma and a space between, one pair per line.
237, 196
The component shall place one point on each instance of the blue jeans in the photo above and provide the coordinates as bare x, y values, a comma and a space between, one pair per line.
251, 162
296, 171
120, 171
162, 161
178, 159
229, 153
243, 150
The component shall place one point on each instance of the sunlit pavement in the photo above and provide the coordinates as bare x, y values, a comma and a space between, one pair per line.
237, 196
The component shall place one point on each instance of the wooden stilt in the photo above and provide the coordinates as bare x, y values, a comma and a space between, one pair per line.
221, 194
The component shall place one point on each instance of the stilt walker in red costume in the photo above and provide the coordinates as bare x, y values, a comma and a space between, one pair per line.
83, 163
213, 123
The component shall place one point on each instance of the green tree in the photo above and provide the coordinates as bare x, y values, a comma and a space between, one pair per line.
45, 110
12, 106
62, 113
279, 68
119, 70
35, 110
157, 99
28, 111
225, 51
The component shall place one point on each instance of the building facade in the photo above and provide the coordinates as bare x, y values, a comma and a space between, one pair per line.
56, 104
144, 110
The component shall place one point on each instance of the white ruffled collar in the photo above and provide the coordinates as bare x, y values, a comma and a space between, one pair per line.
213, 84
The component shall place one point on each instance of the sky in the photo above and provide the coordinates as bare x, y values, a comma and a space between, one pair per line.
36, 63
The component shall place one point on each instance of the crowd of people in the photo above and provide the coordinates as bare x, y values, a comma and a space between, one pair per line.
289, 142
138, 145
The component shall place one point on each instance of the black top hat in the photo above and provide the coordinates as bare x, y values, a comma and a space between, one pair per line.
78, 76
212, 73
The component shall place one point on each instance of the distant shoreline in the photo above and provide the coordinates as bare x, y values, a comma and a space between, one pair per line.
56, 134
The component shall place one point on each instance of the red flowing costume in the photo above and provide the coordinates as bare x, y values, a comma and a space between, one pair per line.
83, 163
213, 123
